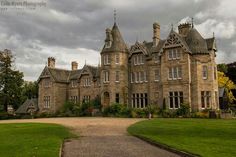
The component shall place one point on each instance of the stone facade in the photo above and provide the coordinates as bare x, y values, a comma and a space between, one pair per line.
178, 69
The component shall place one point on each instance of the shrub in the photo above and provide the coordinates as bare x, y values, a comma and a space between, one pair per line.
183, 111
117, 110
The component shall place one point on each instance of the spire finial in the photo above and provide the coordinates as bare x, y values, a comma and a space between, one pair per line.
85, 62
192, 23
114, 15
213, 34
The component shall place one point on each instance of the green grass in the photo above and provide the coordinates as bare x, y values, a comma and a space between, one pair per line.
205, 137
32, 139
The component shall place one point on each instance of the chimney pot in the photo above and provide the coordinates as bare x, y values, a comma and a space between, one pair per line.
51, 62
74, 65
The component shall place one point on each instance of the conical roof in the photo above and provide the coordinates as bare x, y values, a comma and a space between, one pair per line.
196, 42
118, 44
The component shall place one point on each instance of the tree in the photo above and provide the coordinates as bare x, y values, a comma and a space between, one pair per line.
11, 81
222, 68
225, 82
30, 90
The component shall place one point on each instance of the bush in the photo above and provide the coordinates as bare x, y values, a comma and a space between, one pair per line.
183, 111
117, 110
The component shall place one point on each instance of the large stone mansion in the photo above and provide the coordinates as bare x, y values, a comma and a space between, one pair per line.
175, 70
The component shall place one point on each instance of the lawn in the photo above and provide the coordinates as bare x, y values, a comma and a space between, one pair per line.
31, 139
205, 137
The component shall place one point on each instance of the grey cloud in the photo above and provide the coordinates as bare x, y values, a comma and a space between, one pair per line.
63, 27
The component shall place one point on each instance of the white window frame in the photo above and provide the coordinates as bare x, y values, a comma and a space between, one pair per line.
106, 77
173, 99
117, 76
206, 96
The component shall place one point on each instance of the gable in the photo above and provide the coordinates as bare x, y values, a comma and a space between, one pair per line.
44, 74
137, 48
174, 40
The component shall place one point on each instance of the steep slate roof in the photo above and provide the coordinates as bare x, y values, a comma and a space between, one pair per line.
196, 42
59, 75
118, 44
74, 74
28, 104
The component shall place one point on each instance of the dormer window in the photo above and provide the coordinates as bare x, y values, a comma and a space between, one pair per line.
87, 82
156, 58
73, 83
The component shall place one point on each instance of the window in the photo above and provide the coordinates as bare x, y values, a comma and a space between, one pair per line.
139, 100
175, 99
156, 58
132, 77
204, 72
86, 99
138, 59
117, 98
157, 75
205, 99
106, 77
106, 59
117, 76
175, 73
73, 83
145, 76
117, 58
74, 99
46, 101
173, 54
87, 82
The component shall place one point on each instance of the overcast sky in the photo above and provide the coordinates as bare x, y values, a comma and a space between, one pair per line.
74, 30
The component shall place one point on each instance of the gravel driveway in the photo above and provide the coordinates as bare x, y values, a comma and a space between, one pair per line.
102, 137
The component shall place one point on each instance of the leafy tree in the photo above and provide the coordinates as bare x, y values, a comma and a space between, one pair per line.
30, 90
10, 81
229, 85
222, 68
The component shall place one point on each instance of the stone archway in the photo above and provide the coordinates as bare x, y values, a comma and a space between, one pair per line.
106, 98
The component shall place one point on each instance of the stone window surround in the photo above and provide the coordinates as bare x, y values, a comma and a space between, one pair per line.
106, 59
205, 99
138, 59
175, 73
117, 58
175, 99
139, 77
204, 72
117, 76
139, 100
106, 77
46, 100
173, 54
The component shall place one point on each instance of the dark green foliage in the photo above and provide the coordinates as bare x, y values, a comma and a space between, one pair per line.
117, 110
11, 81
222, 67
183, 111
69, 109
30, 90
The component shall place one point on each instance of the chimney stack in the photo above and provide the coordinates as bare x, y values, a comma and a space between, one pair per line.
184, 28
156, 34
51, 62
74, 65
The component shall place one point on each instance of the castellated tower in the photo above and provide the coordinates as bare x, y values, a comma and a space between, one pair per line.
114, 68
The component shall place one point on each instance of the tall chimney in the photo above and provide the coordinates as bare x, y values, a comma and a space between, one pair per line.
108, 39
156, 34
184, 28
51, 62
74, 65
